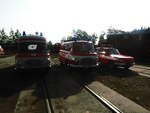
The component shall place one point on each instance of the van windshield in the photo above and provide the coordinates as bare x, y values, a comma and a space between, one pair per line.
112, 51
32, 47
83, 47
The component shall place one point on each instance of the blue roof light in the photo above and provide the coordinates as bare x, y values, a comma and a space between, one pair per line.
75, 38
24, 33
41, 34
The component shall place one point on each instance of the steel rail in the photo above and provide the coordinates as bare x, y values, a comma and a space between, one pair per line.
48, 103
141, 72
108, 104
144, 74
140, 67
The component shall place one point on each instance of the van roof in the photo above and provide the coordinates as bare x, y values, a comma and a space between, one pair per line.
32, 37
80, 41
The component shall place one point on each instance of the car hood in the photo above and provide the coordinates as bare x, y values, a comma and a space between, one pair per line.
122, 57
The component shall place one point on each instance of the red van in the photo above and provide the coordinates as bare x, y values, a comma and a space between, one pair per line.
78, 53
32, 53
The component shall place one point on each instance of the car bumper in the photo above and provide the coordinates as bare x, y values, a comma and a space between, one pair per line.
124, 64
83, 66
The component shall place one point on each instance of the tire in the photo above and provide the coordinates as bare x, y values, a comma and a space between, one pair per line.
62, 64
126, 67
111, 65
19, 71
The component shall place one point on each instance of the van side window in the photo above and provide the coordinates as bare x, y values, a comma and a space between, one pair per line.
68, 47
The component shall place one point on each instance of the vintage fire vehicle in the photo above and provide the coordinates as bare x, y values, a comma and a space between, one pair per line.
78, 53
1, 50
111, 58
32, 52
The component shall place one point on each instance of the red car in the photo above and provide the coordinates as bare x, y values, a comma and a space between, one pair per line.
111, 57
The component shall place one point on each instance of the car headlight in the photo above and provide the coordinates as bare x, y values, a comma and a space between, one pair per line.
71, 57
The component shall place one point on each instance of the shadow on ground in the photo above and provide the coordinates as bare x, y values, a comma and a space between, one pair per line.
117, 72
61, 81
64, 82
11, 82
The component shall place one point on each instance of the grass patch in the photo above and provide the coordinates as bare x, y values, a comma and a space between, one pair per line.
54, 56
7, 61
7, 55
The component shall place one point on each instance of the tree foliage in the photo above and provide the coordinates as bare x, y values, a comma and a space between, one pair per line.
13, 35
82, 35
3, 36
8, 42
113, 30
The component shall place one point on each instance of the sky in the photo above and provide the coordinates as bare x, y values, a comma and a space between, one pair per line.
58, 18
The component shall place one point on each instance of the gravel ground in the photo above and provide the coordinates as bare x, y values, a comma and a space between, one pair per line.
128, 83
82, 102
8, 104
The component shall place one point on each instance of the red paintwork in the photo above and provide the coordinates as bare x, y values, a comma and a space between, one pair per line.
122, 56
106, 58
1, 50
102, 59
19, 55
83, 54
62, 58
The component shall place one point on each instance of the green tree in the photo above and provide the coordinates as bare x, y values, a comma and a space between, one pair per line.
80, 34
111, 30
69, 37
94, 37
3, 36
49, 44
11, 35
17, 34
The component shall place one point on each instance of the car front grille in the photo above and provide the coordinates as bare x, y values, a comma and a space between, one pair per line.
34, 62
87, 61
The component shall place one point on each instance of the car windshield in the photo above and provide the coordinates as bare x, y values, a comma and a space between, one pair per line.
112, 51
83, 47
32, 47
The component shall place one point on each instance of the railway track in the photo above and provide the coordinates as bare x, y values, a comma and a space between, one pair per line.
108, 104
142, 67
51, 104
50, 107
101, 99
145, 71
48, 104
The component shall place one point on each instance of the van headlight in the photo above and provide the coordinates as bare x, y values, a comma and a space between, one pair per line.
71, 57
97, 59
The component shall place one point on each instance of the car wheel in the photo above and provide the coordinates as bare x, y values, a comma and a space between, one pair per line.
126, 67
111, 65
